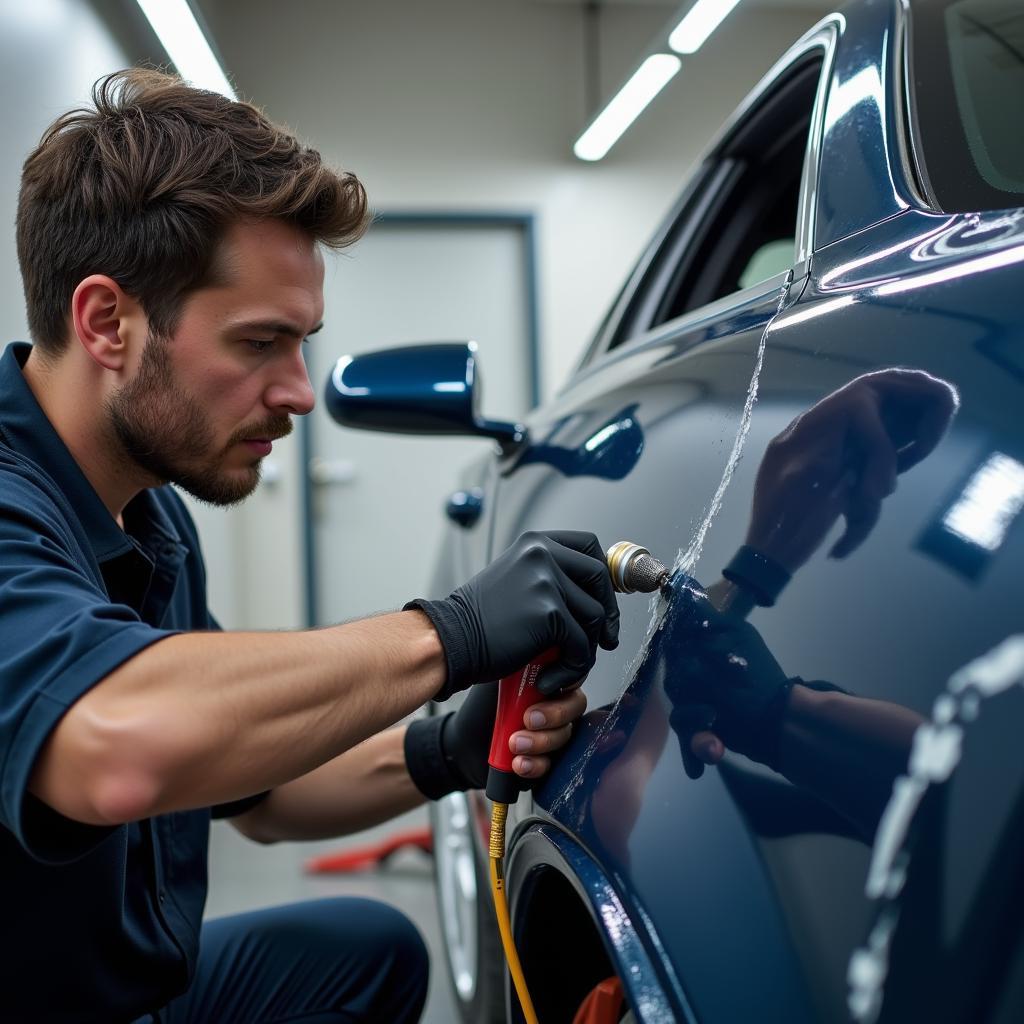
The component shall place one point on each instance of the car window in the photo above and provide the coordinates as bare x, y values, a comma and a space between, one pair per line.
966, 103
742, 227
770, 259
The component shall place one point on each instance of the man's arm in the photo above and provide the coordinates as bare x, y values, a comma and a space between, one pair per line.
373, 782
205, 718
358, 789
201, 719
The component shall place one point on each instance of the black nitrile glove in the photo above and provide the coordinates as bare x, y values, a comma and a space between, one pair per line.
445, 753
726, 680
546, 590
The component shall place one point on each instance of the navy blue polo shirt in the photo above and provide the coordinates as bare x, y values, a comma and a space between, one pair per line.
99, 923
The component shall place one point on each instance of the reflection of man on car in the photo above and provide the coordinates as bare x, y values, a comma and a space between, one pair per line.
841, 458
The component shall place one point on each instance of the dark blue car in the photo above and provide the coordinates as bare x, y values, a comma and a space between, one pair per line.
808, 399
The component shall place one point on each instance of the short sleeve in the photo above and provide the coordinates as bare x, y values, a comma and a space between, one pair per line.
61, 635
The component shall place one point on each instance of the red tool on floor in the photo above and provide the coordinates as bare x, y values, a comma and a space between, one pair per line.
603, 1005
358, 858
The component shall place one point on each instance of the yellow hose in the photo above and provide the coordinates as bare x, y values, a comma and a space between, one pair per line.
497, 856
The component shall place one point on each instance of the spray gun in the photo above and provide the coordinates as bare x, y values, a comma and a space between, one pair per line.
633, 570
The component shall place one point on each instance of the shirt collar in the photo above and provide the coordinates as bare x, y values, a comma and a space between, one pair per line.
25, 427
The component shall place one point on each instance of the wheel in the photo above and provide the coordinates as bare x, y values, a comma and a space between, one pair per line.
472, 946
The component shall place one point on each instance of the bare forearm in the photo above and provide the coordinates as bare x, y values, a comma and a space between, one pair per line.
203, 718
846, 749
358, 789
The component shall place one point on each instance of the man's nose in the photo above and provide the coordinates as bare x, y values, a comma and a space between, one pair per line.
291, 390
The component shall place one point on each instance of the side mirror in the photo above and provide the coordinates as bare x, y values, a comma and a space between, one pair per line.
417, 389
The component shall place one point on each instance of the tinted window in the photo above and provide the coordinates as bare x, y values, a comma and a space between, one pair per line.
749, 233
736, 226
967, 68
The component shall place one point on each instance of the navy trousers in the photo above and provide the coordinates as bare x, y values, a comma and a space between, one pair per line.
331, 961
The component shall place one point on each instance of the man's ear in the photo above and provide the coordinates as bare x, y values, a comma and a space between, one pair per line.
109, 324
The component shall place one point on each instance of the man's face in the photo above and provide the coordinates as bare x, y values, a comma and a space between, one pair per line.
204, 404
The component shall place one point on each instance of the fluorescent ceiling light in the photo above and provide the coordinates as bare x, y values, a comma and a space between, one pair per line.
183, 39
701, 20
649, 79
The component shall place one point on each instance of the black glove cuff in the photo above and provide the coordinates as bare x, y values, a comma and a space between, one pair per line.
454, 641
762, 576
431, 772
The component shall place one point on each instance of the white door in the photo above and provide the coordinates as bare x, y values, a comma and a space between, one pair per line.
379, 499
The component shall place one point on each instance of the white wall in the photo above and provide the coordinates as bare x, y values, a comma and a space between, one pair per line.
51, 51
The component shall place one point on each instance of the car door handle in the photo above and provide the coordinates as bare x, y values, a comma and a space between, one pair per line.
464, 507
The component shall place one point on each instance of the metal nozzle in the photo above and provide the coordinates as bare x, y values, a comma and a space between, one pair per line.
634, 569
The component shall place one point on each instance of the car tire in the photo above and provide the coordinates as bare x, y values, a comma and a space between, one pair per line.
472, 949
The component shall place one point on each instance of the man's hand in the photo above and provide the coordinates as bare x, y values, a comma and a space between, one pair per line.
546, 590
842, 458
449, 752
726, 688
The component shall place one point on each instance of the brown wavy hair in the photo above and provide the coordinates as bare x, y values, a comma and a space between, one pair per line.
142, 186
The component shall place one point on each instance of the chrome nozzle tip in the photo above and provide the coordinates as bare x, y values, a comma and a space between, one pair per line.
634, 569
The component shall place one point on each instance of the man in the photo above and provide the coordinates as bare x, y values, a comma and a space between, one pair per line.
169, 240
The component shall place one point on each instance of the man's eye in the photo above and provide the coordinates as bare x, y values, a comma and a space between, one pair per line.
259, 345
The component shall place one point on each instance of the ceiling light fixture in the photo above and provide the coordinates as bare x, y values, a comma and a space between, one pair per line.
183, 39
649, 79
701, 20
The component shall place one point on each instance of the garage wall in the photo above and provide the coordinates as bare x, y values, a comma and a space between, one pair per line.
50, 54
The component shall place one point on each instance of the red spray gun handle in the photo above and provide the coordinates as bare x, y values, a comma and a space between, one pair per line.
632, 570
516, 692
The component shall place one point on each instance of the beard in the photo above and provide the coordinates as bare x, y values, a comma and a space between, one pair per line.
165, 432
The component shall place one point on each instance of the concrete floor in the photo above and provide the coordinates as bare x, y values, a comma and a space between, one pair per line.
245, 876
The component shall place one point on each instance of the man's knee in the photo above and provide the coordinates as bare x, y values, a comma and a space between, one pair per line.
402, 960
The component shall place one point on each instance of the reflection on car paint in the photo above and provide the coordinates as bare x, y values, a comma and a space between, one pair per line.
840, 458
924, 239
684, 560
916, 245
975, 233
937, 748
979, 265
973, 527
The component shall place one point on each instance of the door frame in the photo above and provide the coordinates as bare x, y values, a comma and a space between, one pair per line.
526, 224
